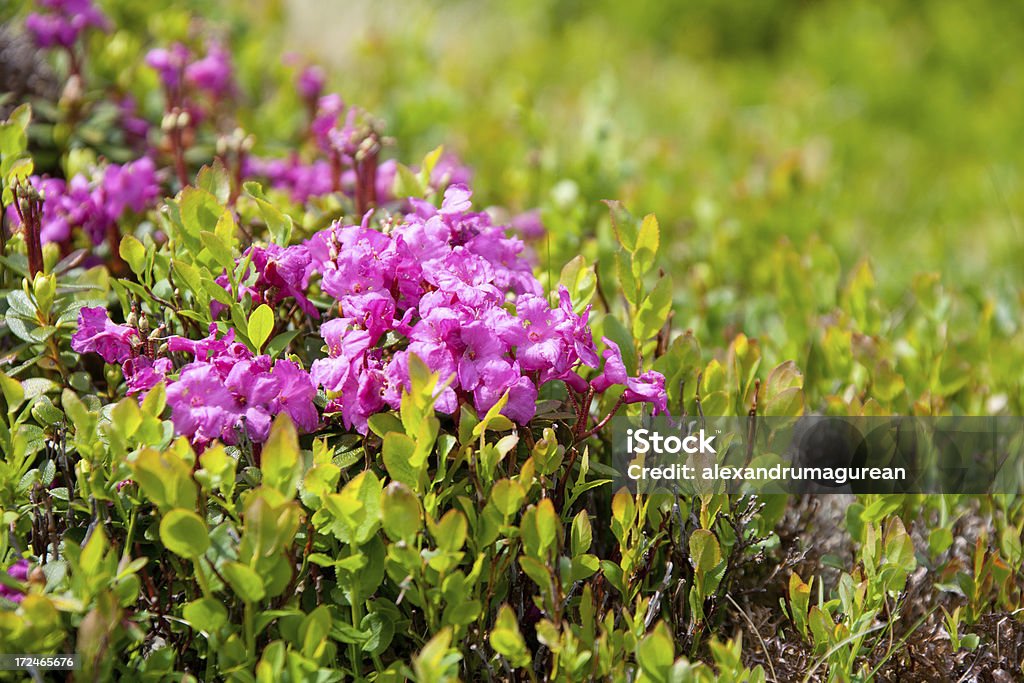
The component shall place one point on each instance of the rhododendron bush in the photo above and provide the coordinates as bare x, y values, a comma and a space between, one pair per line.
283, 402
202, 336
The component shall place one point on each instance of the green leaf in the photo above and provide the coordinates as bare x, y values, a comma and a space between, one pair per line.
280, 342
214, 179
580, 280
126, 416
507, 496
246, 583
397, 453
13, 393
191, 278
656, 652
450, 532
205, 614
705, 553
220, 251
407, 183
537, 571
429, 163
261, 322
45, 413
494, 419
315, 628
646, 246
383, 423
886, 383
582, 534
91, 559
627, 282
507, 640
319, 481
617, 332
380, 628
184, 533
200, 211
401, 512
435, 659
539, 528
356, 510
623, 224
787, 403
280, 462
133, 253
156, 400
164, 477
278, 224
653, 312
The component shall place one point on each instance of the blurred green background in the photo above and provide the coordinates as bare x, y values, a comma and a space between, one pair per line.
889, 130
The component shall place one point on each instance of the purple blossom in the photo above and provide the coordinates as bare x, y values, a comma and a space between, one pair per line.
499, 376
281, 273
301, 180
528, 224
133, 186
352, 371
132, 124
142, 373
329, 108
442, 284
96, 333
169, 63
212, 73
253, 388
649, 387
295, 395
310, 83
202, 407
19, 572
94, 206
63, 22
449, 170
227, 391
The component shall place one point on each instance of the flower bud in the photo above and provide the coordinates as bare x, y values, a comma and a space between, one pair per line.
37, 576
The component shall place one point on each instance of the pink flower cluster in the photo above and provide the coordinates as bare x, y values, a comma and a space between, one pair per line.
175, 65
63, 21
444, 284
223, 389
227, 388
119, 344
94, 206
449, 286
281, 273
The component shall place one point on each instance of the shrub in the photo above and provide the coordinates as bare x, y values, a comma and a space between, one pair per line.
280, 406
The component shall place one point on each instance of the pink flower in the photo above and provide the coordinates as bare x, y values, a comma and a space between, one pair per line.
19, 572
169, 63
63, 22
142, 374
227, 391
649, 387
212, 73
97, 334
310, 83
